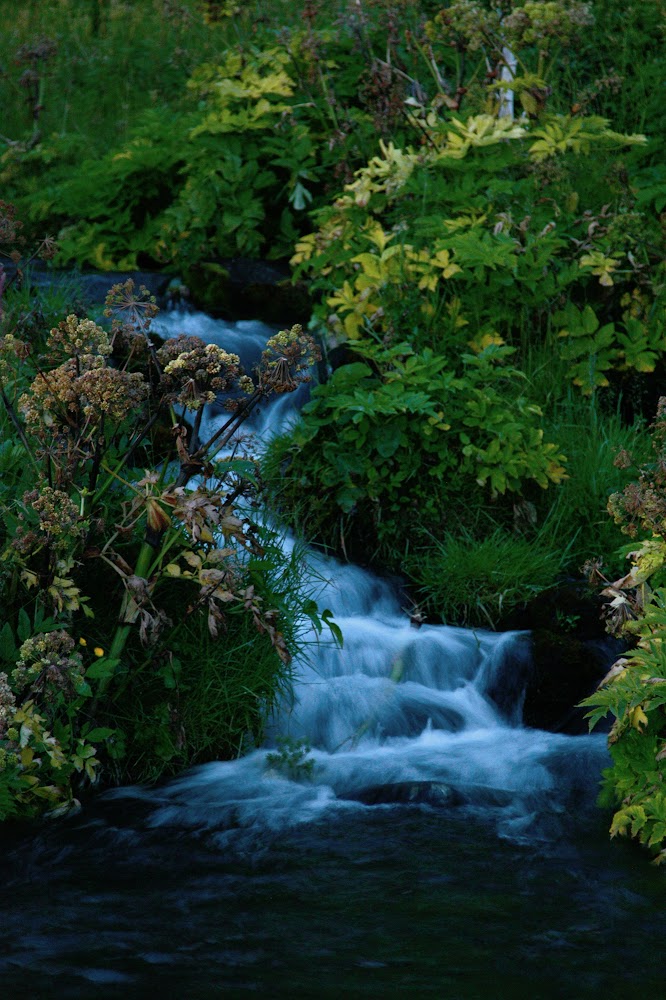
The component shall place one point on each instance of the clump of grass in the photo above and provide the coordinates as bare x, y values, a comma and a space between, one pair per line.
591, 438
471, 580
210, 702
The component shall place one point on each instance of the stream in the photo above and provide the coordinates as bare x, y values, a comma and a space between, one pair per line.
426, 843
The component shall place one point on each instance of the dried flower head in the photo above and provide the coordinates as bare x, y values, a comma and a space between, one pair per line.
12, 352
48, 661
75, 337
48, 248
287, 359
81, 389
540, 23
467, 25
176, 346
127, 342
10, 226
35, 51
58, 514
52, 399
112, 392
196, 376
135, 308
7, 705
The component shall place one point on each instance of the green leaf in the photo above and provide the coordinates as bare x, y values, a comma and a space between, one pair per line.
8, 648
24, 626
99, 734
102, 669
336, 631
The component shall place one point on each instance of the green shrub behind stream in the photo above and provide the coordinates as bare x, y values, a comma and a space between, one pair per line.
468, 559
165, 134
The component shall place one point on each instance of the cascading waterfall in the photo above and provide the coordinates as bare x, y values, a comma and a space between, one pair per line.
398, 714
368, 865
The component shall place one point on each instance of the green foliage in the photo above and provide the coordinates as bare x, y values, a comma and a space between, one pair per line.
479, 579
491, 238
634, 691
635, 694
415, 410
120, 584
291, 759
591, 438
469, 243
208, 698
391, 442
503, 239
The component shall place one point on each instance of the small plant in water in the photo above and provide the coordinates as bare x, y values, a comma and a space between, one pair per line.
291, 759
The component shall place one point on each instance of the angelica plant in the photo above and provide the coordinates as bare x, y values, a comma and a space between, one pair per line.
105, 562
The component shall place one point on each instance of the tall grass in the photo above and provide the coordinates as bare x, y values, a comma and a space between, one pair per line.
470, 580
592, 439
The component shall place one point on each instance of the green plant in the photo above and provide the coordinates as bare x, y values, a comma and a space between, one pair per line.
478, 579
634, 692
172, 560
591, 435
291, 759
390, 442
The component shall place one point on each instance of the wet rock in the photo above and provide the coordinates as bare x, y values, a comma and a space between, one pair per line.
565, 670
432, 793
561, 660
547, 674
571, 607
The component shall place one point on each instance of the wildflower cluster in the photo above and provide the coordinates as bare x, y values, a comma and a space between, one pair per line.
85, 401
80, 389
77, 337
12, 352
48, 662
7, 705
112, 392
52, 400
58, 515
642, 504
10, 230
128, 343
287, 359
538, 23
196, 376
176, 346
469, 24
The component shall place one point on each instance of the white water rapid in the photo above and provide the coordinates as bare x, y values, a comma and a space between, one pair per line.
398, 716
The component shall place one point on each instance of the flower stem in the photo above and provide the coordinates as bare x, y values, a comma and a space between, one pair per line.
144, 559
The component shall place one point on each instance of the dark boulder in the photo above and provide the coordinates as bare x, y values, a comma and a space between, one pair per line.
248, 289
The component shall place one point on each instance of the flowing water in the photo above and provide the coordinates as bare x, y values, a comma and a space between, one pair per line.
427, 843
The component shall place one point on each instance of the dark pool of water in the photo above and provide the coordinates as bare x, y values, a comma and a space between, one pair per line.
384, 901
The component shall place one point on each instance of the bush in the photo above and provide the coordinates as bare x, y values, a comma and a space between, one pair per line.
112, 572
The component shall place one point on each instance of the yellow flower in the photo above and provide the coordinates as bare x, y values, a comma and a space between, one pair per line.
98, 651
82, 642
